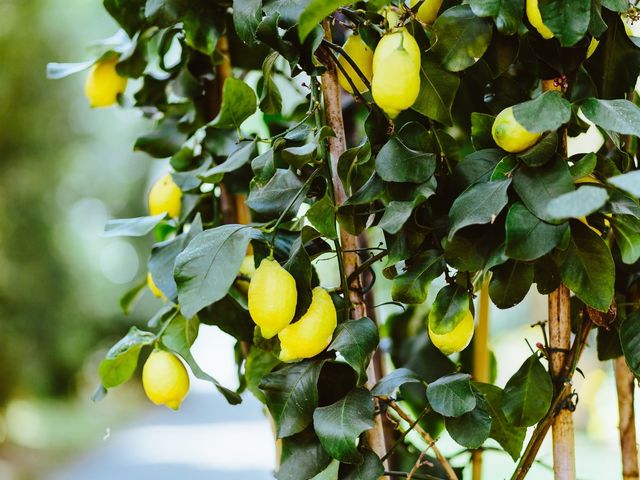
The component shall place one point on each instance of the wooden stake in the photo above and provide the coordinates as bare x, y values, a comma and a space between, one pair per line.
564, 464
337, 146
481, 361
625, 384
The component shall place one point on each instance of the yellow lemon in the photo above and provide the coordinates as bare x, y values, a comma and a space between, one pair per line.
103, 84
165, 197
391, 16
164, 379
247, 269
272, 297
362, 55
593, 44
535, 18
510, 135
396, 87
311, 334
457, 339
153, 287
391, 43
428, 11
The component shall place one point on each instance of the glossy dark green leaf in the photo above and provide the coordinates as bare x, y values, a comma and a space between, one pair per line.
528, 237
302, 456
587, 268
462, 37
477, 167
128, 13
620, 116
481, 124
451, 395
567, 19
322, 216
389, 384
538, 186
339, 425
371, 467
472, 428
259, 363
132, 227
548, 111
541, 152
630, 341
583, 167
507, 435
527, 395
396, 162
395, 216
438, 88
579, 203
207, 268
608, 344
203, 26
247, 15
271, 99
162, 142
238, 159
412, 285
314, 13
479, 204
238, 103
506, 13
122, 359
449, 309
510, 283
292, 395
626, 229
629, 182
283, 190
356, 340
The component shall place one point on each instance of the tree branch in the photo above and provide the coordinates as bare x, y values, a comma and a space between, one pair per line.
625, 384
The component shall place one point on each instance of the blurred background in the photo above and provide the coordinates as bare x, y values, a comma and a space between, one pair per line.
67, 170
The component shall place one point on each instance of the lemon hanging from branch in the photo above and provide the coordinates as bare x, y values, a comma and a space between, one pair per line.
362, 55
165, 197
103, 84
457, 339
428, 11
510, 135
164, 379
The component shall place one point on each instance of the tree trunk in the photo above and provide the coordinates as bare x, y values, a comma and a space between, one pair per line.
625, 384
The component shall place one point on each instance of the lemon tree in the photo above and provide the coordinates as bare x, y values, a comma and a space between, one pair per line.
420, 152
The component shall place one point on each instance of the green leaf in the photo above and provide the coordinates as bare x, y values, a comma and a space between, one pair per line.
579, 203
203, 26
481, 138
538, 186
412, 285
608, 344
395, 216
479, 204
630, 341
477, 167
259, 363
178, 337
322, 216
238, 103
528, 237
356, 340
371, 467
585, 166
131, 297
451, 395
207, 268
396, 162
247, 15
629, 182
128, 13
329, 473
462, 38
339, 425
271, 99
387, 385
506, 13
122, 359
541, 152
472, 428
626, 229
314, 13
507, 435
567, 19
528, 393
620, 116
302, 457
132, 227
283, 190
292, 395
162, 142
449, 309
238, 159
299, 156
588, 268
510, 283
438, 88
548, 111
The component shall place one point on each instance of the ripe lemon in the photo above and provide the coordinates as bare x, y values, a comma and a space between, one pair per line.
510, 135
391, 43
164, 379
272, 297
165, 196
103, 84
153, 287
247, 269
363, 56
535, 18
313, 332
457, 339
428, 11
